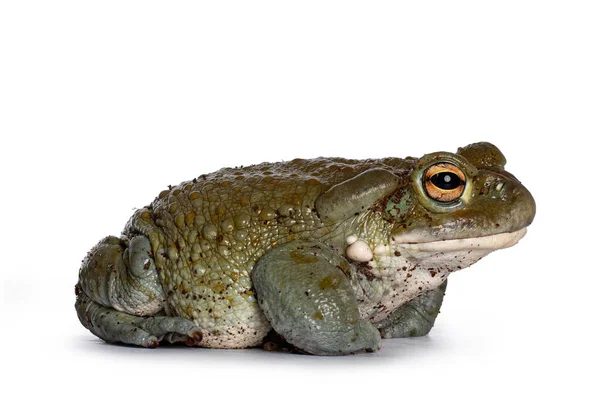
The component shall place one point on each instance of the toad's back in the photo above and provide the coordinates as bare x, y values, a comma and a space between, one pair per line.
206, 235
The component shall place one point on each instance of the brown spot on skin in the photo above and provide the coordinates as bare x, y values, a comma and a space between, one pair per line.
302, 258
218, 288
432, 273
397, 253
291, 236
365, 269
318, 315
189, 217
345, 267
329, 282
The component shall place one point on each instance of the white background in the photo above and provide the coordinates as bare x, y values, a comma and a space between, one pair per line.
103, 104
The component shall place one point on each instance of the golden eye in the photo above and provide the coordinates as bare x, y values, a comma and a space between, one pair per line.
444, 182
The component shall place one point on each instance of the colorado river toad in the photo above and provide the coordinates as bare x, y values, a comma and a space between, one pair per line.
332, 254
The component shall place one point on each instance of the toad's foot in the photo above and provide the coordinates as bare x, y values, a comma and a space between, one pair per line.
117, 326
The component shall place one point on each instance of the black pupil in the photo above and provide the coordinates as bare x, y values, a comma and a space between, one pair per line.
446, 180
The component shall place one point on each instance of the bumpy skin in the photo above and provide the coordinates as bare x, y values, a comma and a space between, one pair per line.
393, 248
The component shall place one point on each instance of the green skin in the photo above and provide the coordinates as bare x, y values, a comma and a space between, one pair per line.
332, 254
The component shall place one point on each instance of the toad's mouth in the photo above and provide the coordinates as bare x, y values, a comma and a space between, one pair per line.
485, 243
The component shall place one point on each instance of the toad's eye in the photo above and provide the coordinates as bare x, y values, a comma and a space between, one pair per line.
444, 182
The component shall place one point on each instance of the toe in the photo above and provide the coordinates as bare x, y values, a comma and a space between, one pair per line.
194, 337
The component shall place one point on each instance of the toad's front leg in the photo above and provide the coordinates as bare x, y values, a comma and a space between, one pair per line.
309, 301
415, 318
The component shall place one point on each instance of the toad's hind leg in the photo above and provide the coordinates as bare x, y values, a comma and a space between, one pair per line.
415, 318
309, 301
119, 327
119, 297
